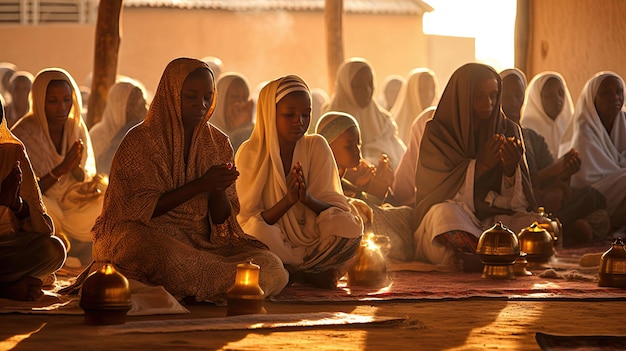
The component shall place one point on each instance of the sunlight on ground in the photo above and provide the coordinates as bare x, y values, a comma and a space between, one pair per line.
491, 22
12, 342
512, 320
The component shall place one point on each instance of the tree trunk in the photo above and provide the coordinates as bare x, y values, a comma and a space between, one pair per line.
522, 37
333, 18
107, 45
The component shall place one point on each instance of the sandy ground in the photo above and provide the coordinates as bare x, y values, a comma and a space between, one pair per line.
441, 325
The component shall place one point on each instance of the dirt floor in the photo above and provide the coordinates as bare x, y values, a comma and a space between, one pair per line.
469, 324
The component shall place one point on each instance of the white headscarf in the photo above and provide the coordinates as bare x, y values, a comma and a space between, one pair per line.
223, 84
534, 116
32, 130
262, 183
409, 104
379, 132
602, 155
113, 117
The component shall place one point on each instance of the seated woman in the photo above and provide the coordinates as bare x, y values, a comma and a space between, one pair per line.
471, 171
353, 94
342, 133
291, 197
550, 120
126, 106
169, 211
600, 138
58, 144
20, 84
390, 90
417, 94
581, 210
29, 252
233, 114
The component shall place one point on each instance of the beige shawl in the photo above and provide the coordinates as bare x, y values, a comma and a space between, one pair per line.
379, 132
113, 117
32, 130
262, 184
409, 104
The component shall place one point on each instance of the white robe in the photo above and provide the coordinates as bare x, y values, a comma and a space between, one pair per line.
603, 155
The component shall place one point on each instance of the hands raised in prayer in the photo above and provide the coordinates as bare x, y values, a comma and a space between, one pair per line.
500, 149
569, 164
71, 161
511, 152
219, 177
296, 187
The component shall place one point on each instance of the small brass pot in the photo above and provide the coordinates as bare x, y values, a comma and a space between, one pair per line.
370, 268
537, 243
613, 266
498, 249
246, 295
105, 297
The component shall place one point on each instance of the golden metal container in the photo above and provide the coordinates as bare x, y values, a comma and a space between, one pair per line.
613, 266
537, 243
498, 249
370, 268
105, 297
245, 296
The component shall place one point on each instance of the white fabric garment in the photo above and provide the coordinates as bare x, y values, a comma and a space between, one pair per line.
113, 117
379, 132
403, 185
262, 183
534, 116
409, 104
458, 214
71, 215
603, 155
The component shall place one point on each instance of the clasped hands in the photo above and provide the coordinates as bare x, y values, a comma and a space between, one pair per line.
504, 150
296, 185
219, 177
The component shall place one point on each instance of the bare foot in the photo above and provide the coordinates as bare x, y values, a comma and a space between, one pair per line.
25, 289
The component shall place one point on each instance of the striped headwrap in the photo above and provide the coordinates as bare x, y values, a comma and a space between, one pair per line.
333, 123
289, 84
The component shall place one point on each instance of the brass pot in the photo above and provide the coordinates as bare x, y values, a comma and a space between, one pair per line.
370, 268
498, 249
537, 243
245, 296
105, 297
613, 266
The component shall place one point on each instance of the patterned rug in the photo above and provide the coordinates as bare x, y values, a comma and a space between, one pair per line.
562, 279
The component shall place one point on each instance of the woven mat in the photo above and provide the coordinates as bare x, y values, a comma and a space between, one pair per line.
549, 342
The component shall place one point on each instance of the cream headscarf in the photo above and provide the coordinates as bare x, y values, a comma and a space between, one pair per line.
223, 84
602, 154
379, 132
32, 130
262, 183
114, 116
534, 116
409, 104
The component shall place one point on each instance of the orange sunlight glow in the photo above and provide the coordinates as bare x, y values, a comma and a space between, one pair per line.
490, 22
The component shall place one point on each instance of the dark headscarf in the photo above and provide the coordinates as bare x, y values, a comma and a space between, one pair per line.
451, 140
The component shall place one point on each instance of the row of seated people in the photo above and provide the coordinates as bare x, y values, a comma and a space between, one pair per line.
182, 208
